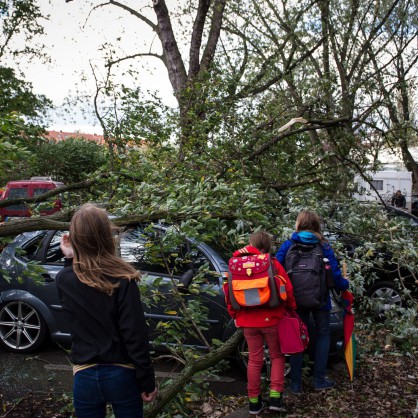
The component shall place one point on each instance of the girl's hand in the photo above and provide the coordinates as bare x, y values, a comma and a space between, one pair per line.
65, 246
149, 397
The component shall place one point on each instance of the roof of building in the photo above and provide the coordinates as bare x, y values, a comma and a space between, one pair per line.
60, 135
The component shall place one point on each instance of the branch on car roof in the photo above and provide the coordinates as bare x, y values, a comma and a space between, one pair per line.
61, 220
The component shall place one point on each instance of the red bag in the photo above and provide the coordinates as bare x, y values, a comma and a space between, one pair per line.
293, 333
252, 281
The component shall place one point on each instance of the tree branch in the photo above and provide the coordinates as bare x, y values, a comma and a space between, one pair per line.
190, 370
196, 41
140, 54
172, 57
311, 126
133, 12
215, 30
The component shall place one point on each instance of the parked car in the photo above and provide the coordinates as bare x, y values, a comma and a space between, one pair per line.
385, 291
414, 204
28, 189
30, 312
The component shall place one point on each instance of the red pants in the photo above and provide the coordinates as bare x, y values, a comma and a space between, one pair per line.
255, 339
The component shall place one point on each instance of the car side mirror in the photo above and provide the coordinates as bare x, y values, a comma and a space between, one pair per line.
186, 280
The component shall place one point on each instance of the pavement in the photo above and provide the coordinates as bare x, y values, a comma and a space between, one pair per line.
241, 413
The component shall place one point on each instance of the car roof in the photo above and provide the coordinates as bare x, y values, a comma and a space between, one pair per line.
21, 182
401, 213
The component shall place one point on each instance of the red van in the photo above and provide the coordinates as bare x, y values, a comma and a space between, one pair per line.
28, 188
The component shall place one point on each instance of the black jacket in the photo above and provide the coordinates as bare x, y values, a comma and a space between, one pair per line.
106, 329
399, 201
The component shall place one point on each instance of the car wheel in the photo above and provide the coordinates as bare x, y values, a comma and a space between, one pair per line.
243, 356
384, 295
22, 329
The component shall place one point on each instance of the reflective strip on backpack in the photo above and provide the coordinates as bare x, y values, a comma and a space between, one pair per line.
251, 292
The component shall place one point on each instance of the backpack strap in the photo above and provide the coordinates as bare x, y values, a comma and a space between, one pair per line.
282, 288
275, 299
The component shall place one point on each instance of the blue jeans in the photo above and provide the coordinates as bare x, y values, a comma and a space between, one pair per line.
322, 339
98, 385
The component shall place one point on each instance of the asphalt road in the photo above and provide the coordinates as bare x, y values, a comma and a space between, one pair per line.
49, 371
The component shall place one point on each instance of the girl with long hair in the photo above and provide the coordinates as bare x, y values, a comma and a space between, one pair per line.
101, 302
308, 232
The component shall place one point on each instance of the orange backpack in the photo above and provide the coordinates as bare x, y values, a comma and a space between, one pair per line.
251, 282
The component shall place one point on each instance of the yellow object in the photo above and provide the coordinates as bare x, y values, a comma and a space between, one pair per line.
350, 358
345, 269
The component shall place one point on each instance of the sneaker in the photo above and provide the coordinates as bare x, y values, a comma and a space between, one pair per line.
296, 388
276, 404
323, 384
256, 408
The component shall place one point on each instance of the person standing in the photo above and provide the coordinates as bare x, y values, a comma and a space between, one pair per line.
308, 232
260, 326
101, 302
398, 200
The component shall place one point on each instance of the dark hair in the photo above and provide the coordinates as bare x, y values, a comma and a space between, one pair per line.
261, 240
308, 220
93, 244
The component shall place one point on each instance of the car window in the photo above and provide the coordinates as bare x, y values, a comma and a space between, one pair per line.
39, 191
54, 254
143, 250
30, 249
17, 193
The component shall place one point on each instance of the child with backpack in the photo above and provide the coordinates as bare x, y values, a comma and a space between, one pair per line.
258, 310
306, 258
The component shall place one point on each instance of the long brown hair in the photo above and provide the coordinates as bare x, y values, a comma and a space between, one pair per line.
308, 220
95, 260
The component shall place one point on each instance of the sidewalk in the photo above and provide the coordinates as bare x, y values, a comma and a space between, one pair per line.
241, 413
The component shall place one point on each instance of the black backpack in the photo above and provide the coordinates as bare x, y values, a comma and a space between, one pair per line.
305, 267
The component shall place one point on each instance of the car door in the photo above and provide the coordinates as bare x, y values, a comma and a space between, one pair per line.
168, 268
50, 257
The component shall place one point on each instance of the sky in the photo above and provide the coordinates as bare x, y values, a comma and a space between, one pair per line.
73, 40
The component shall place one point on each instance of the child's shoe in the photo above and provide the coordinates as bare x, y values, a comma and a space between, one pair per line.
256, 407
276, 404
323, 384
296, 388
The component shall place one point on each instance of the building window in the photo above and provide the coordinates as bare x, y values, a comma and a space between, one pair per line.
377, 184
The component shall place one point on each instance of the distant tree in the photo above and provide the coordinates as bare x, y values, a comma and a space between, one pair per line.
16, 96
70, 161
21, 111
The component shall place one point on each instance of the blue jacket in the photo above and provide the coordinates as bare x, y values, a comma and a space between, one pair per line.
310, 238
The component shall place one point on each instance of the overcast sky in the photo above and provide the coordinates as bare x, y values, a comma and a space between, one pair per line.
73, 40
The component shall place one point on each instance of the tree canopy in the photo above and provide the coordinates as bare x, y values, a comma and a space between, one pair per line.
279, 104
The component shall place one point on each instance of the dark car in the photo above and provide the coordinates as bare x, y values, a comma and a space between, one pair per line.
29, 312
414, 204
385, 291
